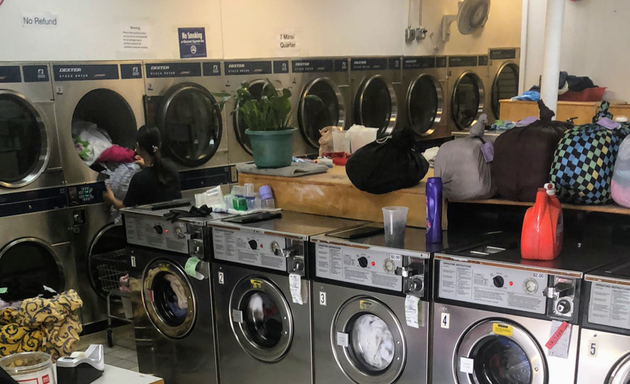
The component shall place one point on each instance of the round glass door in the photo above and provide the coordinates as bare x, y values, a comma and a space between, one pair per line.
620, 373
30, 260
424, 104
501, 353
375, 105
107, 256
191, 124
505, 86
261, 319
256, 89
368, 342
102, 118
169, 299
321, 105
467, 102
24, 147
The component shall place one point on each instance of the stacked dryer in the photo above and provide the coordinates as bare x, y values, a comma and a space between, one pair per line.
180, 101
375, 82
34, 240
467, 92
424, 88
503, 75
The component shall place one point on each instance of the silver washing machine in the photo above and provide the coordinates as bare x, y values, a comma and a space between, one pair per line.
375, 82
503, 74
423, 98
29, 149
172, 309
180, 101
108, 94
466, 90
35, 244
371, 310
328, 80
262, 296
501, 319
96, 237
256, 73
604, 355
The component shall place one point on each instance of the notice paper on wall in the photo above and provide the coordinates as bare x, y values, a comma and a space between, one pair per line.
135, 36
192, 42
40, 19
287, 43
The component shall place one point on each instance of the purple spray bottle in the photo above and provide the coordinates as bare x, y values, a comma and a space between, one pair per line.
434, 210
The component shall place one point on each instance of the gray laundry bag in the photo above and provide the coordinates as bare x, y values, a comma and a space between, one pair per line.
464, 166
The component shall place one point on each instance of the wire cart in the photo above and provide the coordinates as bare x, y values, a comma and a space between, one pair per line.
112, 269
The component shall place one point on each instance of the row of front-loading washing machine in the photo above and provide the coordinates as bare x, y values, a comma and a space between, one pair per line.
309, 299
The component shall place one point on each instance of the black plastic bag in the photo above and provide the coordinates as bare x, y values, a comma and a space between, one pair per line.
388, 164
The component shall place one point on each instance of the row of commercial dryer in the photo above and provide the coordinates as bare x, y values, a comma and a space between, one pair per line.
309, 299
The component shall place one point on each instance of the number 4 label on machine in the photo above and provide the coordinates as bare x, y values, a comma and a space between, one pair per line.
445, 320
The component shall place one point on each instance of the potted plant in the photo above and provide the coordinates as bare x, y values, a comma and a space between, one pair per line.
267, 119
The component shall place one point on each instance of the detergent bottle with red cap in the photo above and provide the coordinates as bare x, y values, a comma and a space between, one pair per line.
543, 227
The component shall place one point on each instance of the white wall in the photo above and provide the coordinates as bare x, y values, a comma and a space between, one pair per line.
593, 43
89, 30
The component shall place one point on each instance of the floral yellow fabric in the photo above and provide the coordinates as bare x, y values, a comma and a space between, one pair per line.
42, 325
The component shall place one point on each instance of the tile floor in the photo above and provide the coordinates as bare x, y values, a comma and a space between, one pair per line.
123, 354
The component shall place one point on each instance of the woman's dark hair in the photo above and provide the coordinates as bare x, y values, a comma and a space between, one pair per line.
150, 140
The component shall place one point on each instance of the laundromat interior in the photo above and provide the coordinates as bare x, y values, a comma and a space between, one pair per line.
314, 192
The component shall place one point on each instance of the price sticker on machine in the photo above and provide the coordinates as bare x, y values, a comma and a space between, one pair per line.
295, 285
342, 339
466, 365
560, 339
411, 311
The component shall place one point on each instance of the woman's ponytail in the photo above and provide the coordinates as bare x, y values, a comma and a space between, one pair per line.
150, 140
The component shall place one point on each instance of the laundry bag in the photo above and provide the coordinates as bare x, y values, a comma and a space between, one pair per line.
620, 184
523, 156
584, 161
464, 166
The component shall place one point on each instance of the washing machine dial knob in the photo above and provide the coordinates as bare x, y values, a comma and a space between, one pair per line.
363, 262
416, 285
563, 307
498, 281
298, 266
158, 229
253, 244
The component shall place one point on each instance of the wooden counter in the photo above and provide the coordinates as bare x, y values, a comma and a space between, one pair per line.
332, 194
584, 111
609, 208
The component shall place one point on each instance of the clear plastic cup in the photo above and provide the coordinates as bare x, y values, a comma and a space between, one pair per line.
395, 222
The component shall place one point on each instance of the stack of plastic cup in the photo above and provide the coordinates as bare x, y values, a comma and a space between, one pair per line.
266, 198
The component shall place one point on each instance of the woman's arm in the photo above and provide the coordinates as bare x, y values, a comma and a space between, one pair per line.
109, 197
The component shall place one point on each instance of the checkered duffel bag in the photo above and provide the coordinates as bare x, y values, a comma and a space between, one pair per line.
583, 163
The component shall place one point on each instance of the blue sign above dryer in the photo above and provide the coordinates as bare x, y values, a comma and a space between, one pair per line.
192, 42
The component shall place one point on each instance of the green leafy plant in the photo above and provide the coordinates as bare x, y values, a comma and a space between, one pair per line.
269, 112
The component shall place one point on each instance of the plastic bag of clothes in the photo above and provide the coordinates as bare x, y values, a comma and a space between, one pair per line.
620, 184
583, 163
523, 156
388, 164
464, 168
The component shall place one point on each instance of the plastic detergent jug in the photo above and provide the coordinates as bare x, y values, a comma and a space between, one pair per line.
543, 227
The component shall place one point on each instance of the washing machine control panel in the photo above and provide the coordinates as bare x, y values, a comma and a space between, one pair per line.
370, 268
525, 290
154, 232
259, 250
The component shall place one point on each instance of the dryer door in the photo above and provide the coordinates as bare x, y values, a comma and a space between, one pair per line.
169, 299
321, 105
620, 374
499, 352
375, 105
24, 145
504, 86
31, 260
261, 319
468, 100
425, 103
191, 125
368, 342
106, 259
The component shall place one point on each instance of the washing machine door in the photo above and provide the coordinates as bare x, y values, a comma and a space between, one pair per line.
261, 319
375, 105
24, 145
169, 299
256, 89
504, 86
321, 105
620, 373
467, 100
499, 352
425, 103
191, 124
368, 342
107, 259
32, 260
